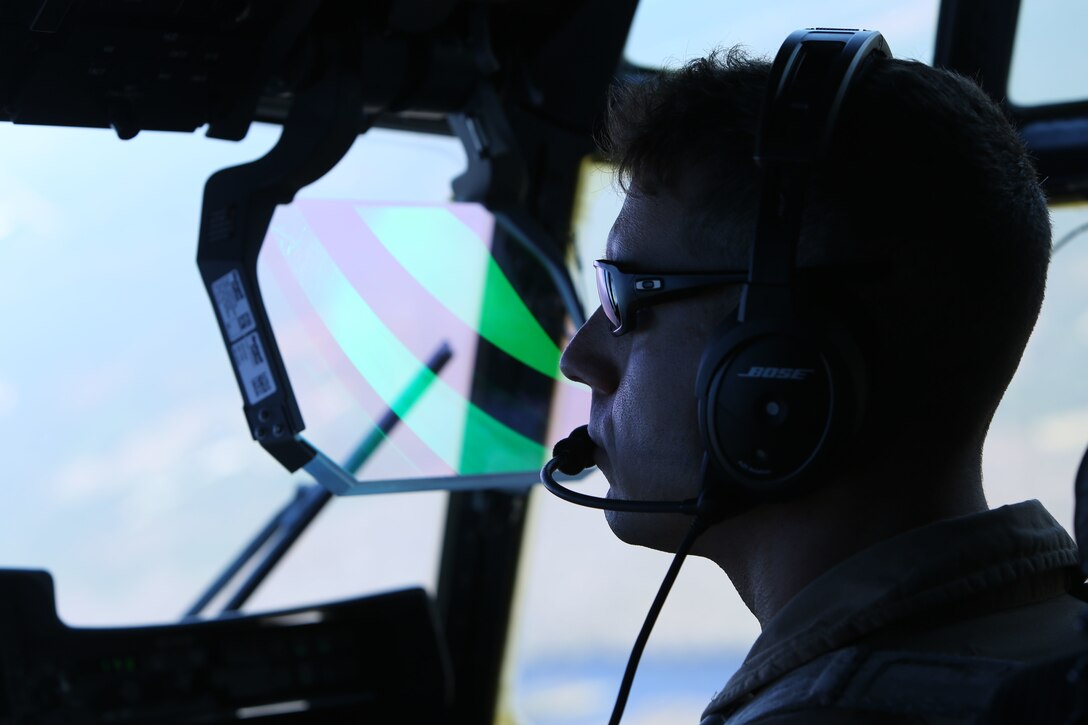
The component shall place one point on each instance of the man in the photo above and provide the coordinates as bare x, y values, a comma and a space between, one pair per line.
890, 588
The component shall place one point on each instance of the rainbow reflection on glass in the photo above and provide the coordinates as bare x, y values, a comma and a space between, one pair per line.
361, 295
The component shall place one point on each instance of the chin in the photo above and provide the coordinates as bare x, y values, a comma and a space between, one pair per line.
662, 532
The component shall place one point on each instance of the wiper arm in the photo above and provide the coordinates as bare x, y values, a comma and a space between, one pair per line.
277, 537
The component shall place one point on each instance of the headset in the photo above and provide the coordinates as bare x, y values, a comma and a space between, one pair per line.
778, 394
780, 391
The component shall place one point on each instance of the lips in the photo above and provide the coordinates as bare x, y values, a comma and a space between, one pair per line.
596, 437
600, 454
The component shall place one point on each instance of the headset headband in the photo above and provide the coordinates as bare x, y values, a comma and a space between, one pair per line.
809, 80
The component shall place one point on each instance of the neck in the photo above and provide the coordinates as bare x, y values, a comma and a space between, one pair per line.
773, 551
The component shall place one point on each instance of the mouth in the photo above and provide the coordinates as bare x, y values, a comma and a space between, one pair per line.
600, 455
595, 427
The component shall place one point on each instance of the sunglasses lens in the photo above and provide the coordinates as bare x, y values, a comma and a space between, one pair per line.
604, 292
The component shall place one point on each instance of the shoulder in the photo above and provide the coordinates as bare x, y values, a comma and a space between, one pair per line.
836, 716
857, 684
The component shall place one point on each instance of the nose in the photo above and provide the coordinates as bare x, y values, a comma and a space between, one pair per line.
590, 356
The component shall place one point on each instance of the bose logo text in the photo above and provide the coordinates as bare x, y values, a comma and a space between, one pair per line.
777, 373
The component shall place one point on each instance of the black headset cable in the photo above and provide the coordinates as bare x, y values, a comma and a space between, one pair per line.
698, 526
575, 453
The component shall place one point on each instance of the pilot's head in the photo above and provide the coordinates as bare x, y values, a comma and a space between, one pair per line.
928, 190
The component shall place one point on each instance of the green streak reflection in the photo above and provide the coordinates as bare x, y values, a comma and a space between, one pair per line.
442, 418
452, 263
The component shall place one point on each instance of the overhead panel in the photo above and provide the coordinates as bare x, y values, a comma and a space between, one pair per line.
143, 65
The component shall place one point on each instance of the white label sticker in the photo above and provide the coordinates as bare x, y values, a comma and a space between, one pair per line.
252, 366
234, 309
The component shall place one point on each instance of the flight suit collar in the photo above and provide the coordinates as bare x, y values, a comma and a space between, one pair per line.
929, 568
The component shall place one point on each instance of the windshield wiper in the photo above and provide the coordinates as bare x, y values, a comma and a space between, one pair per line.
281, 532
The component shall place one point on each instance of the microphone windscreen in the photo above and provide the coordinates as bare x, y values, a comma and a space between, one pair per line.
575, 452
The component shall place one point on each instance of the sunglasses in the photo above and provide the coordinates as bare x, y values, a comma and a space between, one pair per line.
623, 293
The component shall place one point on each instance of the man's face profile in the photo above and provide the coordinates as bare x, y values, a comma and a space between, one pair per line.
643, 417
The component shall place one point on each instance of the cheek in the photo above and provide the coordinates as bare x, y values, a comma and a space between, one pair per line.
655, 406
668, 362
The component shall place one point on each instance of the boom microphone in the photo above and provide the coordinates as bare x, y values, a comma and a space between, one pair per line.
573, 454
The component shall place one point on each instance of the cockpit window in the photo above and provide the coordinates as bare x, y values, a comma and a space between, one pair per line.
1049, 53
116, 394
1041, 428
127, 476
664, 33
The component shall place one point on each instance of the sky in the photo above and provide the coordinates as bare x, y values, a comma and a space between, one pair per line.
132, 478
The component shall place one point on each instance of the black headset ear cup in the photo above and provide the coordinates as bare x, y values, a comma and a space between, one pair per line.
777, 401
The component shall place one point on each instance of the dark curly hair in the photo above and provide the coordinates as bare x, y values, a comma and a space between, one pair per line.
926, 182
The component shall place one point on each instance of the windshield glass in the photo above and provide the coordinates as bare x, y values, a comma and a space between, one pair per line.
1049, 53
133, 477
665, 33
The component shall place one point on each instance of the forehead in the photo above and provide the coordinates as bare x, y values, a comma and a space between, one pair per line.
665, 231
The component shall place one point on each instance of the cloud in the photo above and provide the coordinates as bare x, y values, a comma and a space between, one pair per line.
150, 466
23, 209
587, 592
1080, 270
101, 594
670, 713
9, 399
1062, 432
1081, 326
567, 700
91, 386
